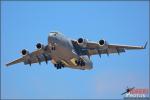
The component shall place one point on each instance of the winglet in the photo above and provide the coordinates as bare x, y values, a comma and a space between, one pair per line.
145, 45
6, 65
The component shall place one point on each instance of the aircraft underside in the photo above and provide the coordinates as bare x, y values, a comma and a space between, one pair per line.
64, 57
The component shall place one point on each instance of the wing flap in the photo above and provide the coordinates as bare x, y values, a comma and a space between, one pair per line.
37, 59
106, 51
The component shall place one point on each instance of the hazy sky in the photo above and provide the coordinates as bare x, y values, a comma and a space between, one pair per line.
23, 24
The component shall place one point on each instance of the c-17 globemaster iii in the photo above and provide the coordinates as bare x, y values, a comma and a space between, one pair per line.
65, 52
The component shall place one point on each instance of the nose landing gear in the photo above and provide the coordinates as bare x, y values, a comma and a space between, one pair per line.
80, 62
53, 48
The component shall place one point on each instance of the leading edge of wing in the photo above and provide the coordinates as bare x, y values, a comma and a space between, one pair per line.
128, 46
15, 61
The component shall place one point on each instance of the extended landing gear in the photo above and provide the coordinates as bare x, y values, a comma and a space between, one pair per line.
59, 65
80, 62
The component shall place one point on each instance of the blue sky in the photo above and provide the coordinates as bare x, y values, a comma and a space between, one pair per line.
23, 24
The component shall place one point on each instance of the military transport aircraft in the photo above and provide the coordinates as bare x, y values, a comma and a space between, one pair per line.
65, 52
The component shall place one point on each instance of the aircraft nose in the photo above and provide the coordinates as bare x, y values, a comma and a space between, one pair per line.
51, 34
50, 37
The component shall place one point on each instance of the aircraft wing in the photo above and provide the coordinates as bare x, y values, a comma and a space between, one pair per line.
15, 61
113, 48
94, 48
127, 47
37, 56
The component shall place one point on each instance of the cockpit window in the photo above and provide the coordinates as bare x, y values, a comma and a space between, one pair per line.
54, 33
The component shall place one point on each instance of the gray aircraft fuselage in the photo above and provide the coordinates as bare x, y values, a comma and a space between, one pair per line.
65, 52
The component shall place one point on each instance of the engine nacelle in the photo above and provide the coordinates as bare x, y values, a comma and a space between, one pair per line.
24, 52
82, 42
39, 46
103, 43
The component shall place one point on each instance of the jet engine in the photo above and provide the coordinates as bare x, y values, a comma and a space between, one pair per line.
103, 44
39, 46
24, 52
82, 42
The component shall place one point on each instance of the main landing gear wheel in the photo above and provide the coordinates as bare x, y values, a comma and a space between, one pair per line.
80, 62
59, 65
